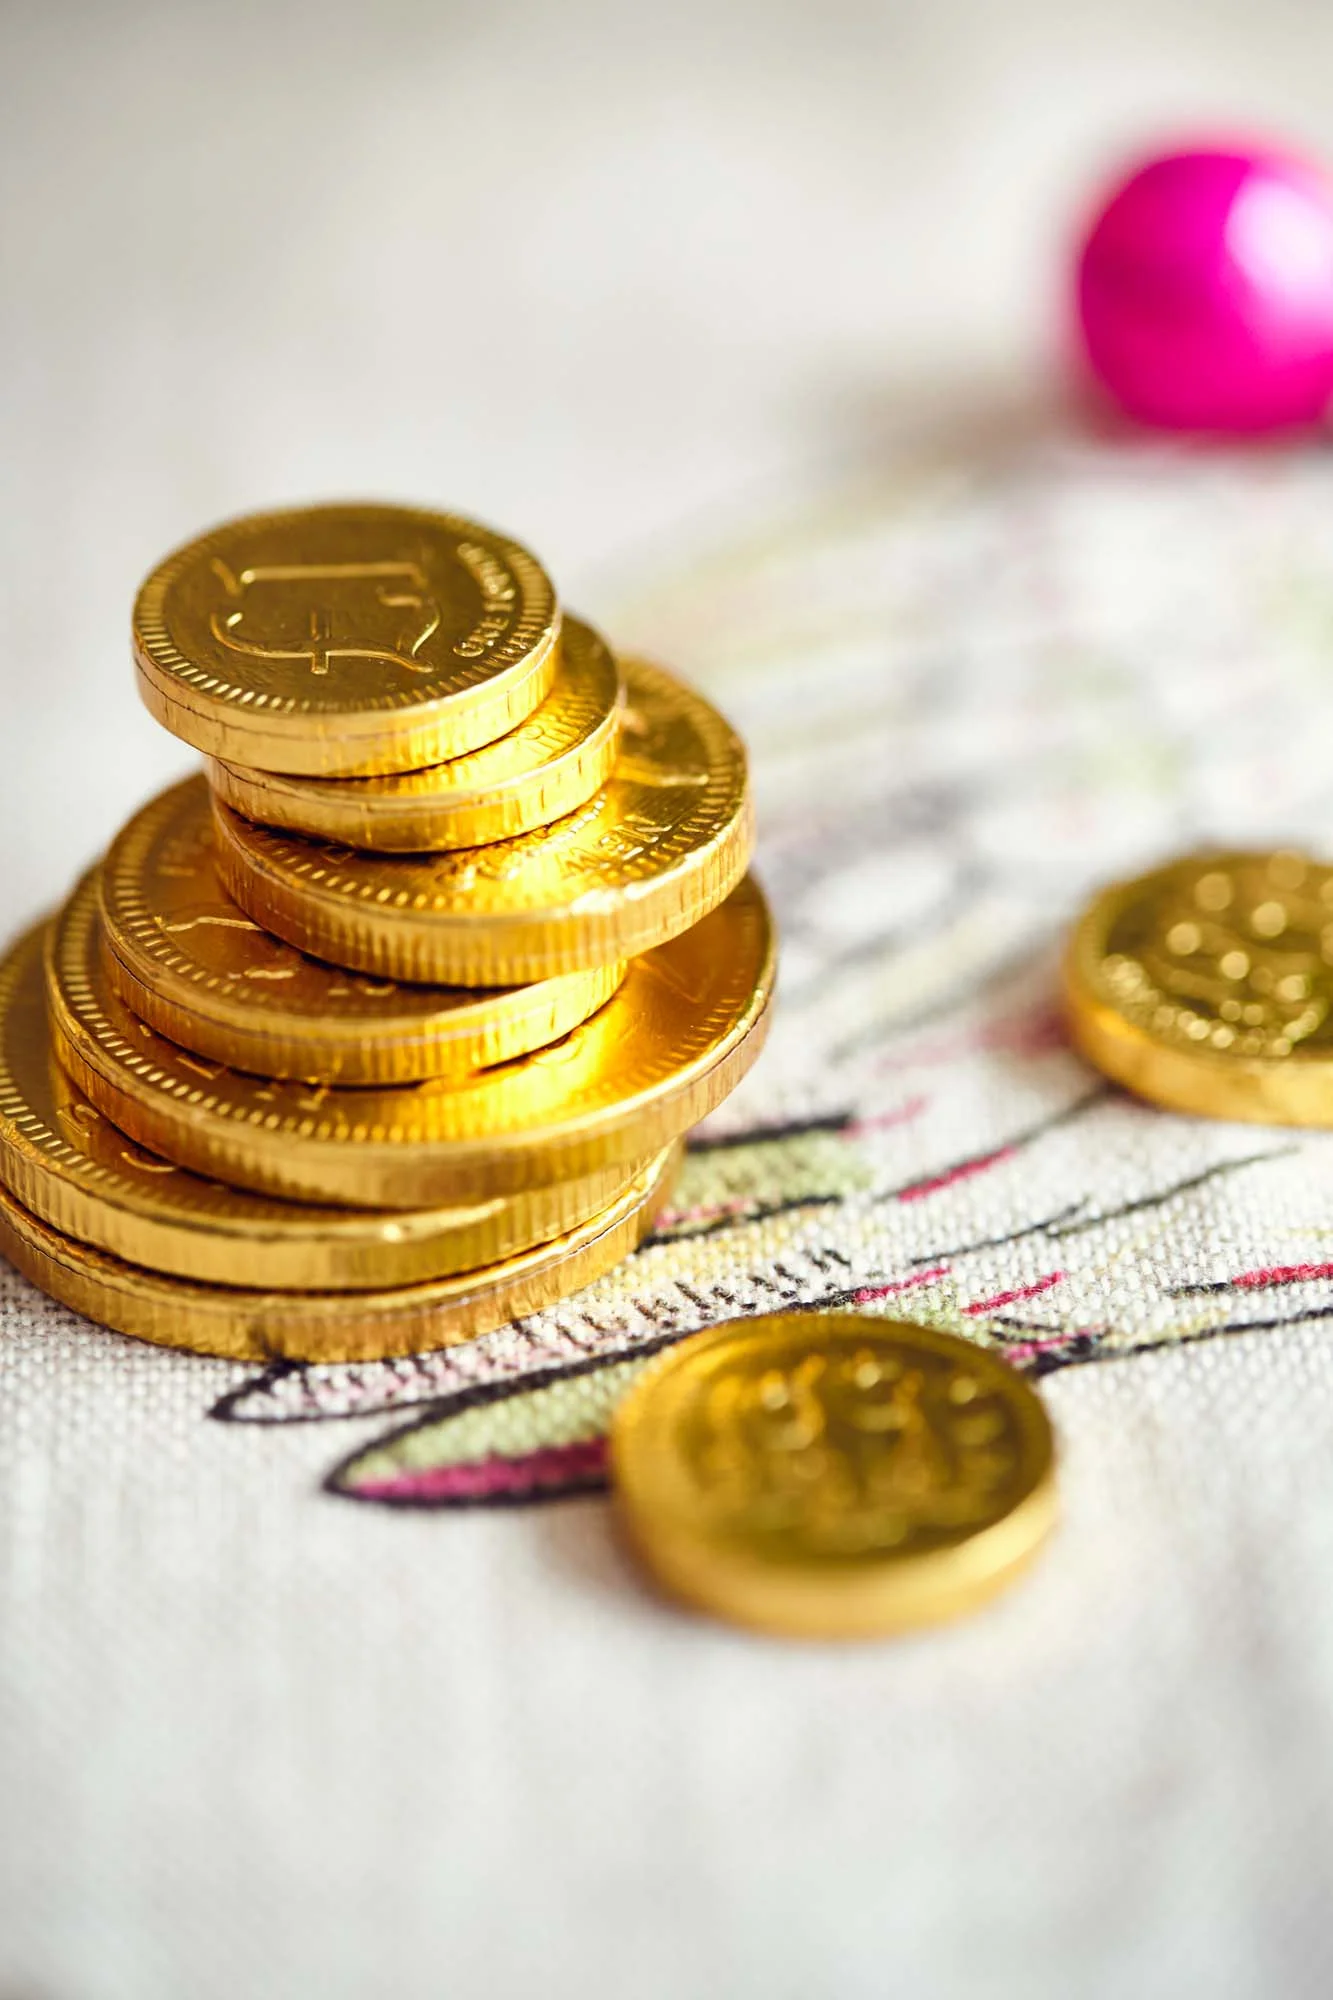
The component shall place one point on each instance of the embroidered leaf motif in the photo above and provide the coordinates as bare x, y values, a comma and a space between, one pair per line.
959, 728
529, 1444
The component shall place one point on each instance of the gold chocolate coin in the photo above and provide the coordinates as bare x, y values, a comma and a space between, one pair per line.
193, 965
60, 1158
551, 764
664, 841
345, 639
328, 1326
833, 1474
1208, 986
683, 1029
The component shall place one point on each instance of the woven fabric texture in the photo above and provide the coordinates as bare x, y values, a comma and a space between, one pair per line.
286, 1709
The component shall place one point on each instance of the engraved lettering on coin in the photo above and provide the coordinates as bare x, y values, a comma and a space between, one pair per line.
498, 594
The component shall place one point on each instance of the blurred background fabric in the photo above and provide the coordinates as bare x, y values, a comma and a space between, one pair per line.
635, 284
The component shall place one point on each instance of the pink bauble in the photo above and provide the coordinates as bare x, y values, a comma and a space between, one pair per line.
1205, 292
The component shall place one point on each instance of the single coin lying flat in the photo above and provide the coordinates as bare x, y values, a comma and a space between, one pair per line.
664, 841
345, 639
548, 766
189, 961
834, 1475
1207, 986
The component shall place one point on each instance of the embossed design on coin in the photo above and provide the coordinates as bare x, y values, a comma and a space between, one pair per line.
251, 1325
833, 1473
192, 964
67, 1163
663, 842
314, 612
1209, 984
548, 766
835, 1451
1238, 952
345, 639
682, 1030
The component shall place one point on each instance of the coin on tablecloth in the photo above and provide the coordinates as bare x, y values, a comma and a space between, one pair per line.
833, 1474
664, 841
547, 767
252, 1325
1208, 986
193, 965
675, 1039
72, 1168
345, 639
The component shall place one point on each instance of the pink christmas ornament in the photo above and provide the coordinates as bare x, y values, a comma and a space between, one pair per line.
1205, 292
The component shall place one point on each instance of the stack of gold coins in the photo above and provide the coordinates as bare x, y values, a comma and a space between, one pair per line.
385, 1028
